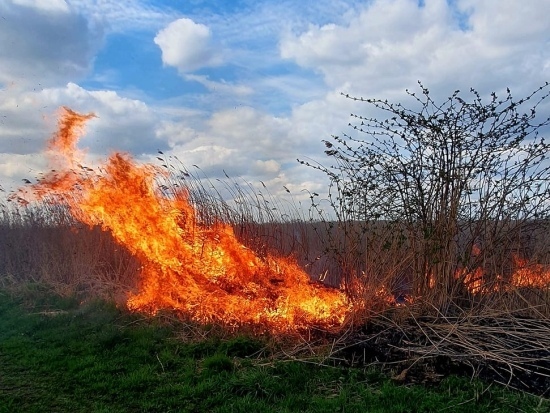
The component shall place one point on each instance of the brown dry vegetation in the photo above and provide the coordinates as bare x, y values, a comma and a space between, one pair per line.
500, 335
45, 245
431, 270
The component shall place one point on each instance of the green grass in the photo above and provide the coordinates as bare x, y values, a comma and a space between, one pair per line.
58, 355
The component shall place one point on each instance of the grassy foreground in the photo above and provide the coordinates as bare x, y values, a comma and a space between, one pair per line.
59, 355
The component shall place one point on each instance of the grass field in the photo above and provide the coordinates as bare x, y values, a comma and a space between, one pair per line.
60, 355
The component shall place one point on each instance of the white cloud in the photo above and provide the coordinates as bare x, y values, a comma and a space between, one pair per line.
45, 43
234, 140
507, 22
249, 145
55, 6
221, 87
389, 40
178, 132
247, 126
390, 44
187, 46
270, 166
211, 156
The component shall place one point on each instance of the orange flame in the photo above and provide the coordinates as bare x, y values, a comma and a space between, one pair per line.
525, 274
530, 275
202, 271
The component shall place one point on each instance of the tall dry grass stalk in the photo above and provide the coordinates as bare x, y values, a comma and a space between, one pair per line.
373, 260
44, 244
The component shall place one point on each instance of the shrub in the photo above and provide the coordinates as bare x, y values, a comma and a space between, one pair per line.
448, 186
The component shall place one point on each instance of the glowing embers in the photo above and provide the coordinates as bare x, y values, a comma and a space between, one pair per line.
186, 265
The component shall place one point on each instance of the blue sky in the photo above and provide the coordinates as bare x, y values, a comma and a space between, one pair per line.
244, 87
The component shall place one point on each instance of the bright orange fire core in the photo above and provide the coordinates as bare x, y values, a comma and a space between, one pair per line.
200, 270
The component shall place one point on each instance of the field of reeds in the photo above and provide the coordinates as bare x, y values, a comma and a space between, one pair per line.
501, 335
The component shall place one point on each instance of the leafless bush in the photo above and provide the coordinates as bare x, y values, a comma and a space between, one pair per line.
460, 185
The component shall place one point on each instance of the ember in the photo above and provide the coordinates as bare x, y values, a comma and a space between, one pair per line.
200, 270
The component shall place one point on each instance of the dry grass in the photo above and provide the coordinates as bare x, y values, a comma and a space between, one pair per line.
43, 244
503, 347
505, 334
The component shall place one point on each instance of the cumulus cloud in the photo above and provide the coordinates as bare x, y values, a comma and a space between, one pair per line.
390, 44
187, 46
58, 44
507, 22
246, 126
234, 140
270, 166
251, 145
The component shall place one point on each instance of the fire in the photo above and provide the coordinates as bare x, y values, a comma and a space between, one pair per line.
200, 270
524, 274
530, 275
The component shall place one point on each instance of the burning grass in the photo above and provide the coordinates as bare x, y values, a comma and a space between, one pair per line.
190, 262
154, 239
